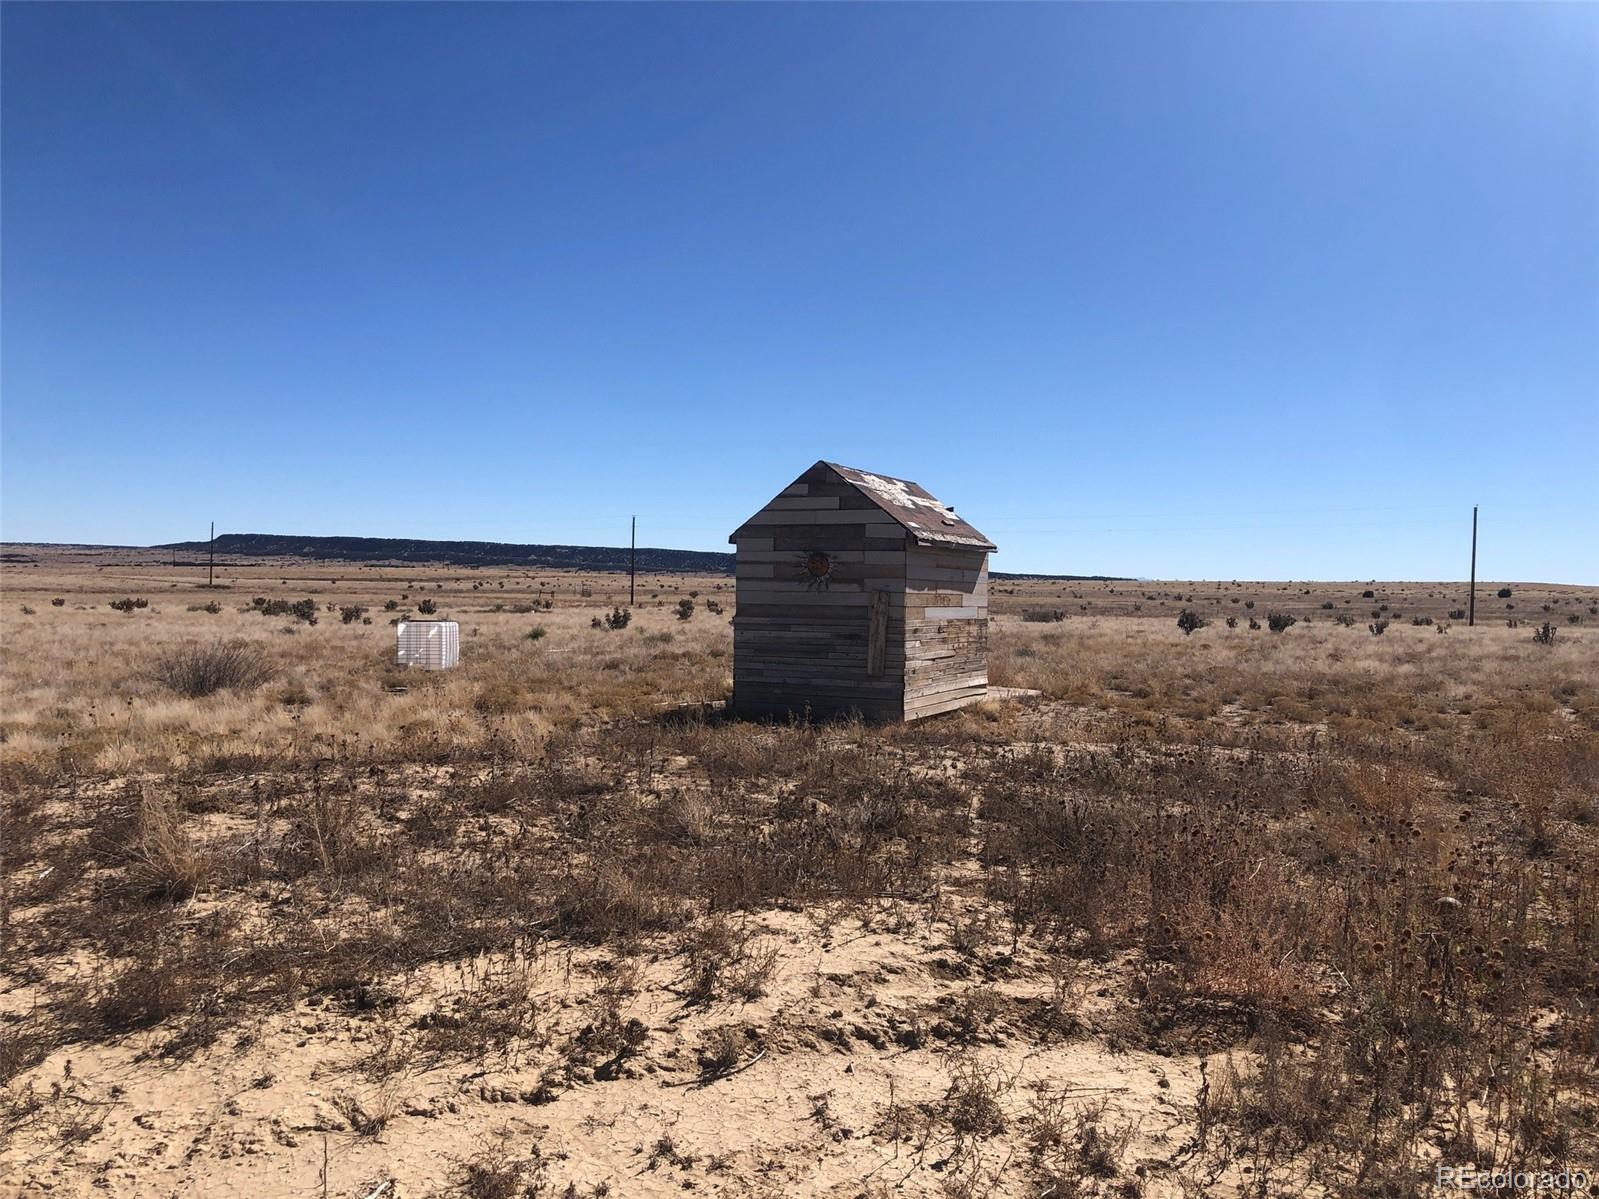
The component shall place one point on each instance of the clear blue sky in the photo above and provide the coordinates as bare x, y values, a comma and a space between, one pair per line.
1214, 291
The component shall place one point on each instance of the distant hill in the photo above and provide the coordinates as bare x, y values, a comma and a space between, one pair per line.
446, 553
457, 553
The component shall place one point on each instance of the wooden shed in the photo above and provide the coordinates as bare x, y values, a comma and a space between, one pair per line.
859, 592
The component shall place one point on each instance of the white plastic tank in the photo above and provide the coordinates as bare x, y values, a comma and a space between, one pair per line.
430, 644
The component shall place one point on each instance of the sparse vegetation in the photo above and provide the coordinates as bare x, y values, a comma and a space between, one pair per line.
1233, 878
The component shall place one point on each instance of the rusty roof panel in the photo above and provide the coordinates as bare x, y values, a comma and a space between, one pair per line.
928, 520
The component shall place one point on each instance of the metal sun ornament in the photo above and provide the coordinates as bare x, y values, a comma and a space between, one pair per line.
818, 570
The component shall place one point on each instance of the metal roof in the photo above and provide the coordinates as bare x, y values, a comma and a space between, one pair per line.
929, 520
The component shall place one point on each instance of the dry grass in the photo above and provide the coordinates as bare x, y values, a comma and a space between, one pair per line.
1350, 876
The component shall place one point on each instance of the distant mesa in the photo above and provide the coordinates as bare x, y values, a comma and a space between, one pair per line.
458, 553
411, 551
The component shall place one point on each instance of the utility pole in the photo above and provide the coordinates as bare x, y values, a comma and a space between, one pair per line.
211, 567
632, 565
1471, 606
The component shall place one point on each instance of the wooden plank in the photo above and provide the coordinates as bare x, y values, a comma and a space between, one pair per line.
794, 591
767, 516
799, 502
877, 640
945, 705
797, 560
962, 683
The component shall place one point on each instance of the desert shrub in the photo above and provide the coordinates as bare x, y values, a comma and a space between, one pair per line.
618, 618
1254, 625
500, 698
714, 608
1327, 605
1232, 622
129, 604
325, 831
497, 1174
1043, 615
427, 607
1378, 627
1072, 1143
1504, 593
1188, 620
350, 613
1249, 603
1421, 621
685, 609
537, 633
721, 1049
391, 605
972, 1103
162, 858
1457, 614
213, 608
594, 905
1277, 622
199, 670
1344, 620
58, 602
302, 610
721, 957
1544, 634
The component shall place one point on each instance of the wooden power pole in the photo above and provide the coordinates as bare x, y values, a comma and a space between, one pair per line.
1471, 603
632, 565
211, 566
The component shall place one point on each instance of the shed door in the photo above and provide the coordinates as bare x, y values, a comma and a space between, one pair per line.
877, 633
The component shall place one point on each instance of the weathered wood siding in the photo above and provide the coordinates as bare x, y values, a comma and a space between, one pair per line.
800, 645
946, 629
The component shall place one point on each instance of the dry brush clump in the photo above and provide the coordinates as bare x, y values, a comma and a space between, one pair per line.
200, 670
